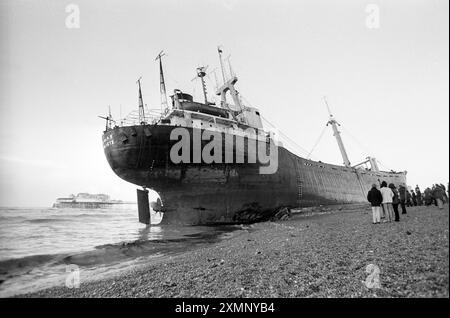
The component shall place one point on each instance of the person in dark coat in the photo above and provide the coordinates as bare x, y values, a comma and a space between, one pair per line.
414, 198
419, 196
427, 197
448, 190
395, 201
408, 199
433, 196
444, 193
439, 195
375, 198
403, 194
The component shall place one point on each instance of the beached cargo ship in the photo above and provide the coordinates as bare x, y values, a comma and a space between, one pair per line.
204, 161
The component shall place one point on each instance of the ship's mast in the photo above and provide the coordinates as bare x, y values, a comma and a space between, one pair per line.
201, 72
228, 85
162, 85
229, 65
109, 119
219, 50
108, 122
337, 134
141, 104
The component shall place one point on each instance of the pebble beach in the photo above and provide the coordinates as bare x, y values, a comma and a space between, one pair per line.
311, 254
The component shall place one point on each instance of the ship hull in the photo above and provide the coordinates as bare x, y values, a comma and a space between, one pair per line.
199, 193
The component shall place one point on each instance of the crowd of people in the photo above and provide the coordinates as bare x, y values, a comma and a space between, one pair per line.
386, 200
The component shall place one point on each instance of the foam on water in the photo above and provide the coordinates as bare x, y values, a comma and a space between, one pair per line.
37, 244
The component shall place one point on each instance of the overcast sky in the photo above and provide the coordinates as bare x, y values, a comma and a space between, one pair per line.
387, 86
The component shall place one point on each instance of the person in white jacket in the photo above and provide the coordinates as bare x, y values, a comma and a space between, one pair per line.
387, 195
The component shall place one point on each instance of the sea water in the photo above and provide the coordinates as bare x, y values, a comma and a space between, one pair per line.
40, 247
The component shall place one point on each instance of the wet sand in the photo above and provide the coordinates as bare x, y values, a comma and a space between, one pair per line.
319, 255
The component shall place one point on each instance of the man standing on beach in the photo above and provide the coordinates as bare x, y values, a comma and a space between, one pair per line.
414, 198
395, 201
439, 195
419, 196
403, 195
375, 198
448, 190
408, 199
444, 193
428, 197
387, 195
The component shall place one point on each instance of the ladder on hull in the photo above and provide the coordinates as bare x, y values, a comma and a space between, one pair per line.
299, 183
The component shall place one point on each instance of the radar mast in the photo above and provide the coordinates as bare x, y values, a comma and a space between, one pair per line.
201, 72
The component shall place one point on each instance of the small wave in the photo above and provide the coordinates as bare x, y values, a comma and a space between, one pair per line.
94, 215
110, 253
11, 217
103, 254
48, 220
18, 266
108, 257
